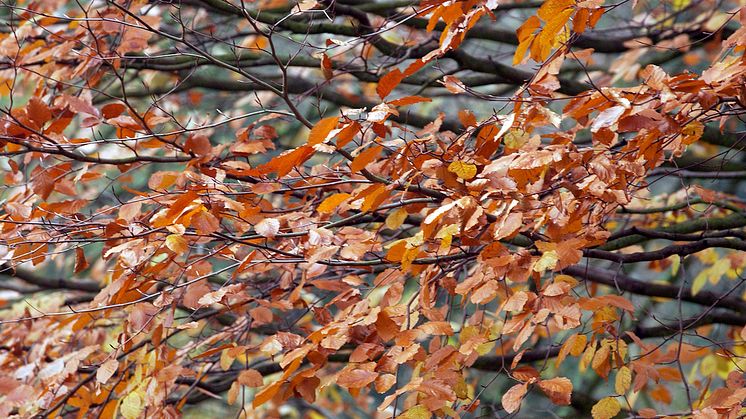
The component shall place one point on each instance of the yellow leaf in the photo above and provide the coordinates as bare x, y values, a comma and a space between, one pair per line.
680, 4
606, 408
226, 359
331, 203
693, 128
551, 8
409, 256
718, 270
587, 357
395, 219
463, 170
177, 243
131, 406
446, 235
623, 380
515, 138
574, 345
417, 412
699, 282
675, 263
547, 261
549, 34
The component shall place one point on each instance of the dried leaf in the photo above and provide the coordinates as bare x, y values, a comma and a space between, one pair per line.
557, 389
268, 227
320, 132
106, 370
606, 408
512, 398
331, 203
463, 170
623, 380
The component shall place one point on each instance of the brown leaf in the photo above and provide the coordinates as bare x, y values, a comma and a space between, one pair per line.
512, 398
250, 378
557, 389
356, 378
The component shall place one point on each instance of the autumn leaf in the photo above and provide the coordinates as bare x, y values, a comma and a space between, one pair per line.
177, 243
106, 370
512, 398
365, 158
396, 218
326, 67
547, 261
623, 380
356, 378
320, 132
417, 412
409, 100
371, 200
331, 203
606, 408
131, 406
268, 227
388, 82
557, 389
463, 170
250, 378
266, 394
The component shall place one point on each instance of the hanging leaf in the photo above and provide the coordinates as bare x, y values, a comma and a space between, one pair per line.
512, 398
606, 408
320, 132
557, 389
364, 158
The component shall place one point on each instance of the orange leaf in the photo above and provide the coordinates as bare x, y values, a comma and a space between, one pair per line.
80, 262
38, 111
321, 130
326, 67
409, 100
288, 160
331, 203
347, 133
388, 82
364, 158
266, 394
